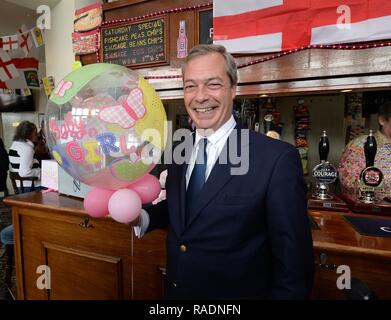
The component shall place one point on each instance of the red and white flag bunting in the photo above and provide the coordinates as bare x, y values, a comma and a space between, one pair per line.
10, 42
279, 25
8, 70
24, 69
24, 37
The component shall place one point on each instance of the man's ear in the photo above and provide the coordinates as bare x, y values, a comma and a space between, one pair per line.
381, 120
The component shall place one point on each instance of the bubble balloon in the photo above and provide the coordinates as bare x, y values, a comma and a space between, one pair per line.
105, 125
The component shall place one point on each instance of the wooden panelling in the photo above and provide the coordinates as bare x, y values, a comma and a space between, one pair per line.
106, 260
149, 261
88, 259
189, 17
369, 258
71, 281
315, 63
307, 71
373, 271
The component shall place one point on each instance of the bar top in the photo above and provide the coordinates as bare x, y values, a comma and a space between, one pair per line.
335, 232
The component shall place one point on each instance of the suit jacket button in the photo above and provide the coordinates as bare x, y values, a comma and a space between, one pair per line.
183, 248
174, 284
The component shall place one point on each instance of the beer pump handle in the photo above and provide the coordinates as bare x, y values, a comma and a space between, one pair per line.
370, 149
324, 147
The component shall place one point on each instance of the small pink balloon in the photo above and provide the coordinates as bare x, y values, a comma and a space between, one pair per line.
124, 205
148, 188
96, 202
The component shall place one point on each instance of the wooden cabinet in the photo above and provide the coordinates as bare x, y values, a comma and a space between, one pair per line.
102, 259
337, 244
88, 258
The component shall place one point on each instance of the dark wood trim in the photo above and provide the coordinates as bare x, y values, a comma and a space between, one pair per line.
197, 25
120, 4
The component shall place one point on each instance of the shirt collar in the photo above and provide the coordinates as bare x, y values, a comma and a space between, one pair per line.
29, 142
219, 134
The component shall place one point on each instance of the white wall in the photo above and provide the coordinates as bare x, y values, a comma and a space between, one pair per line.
59, 54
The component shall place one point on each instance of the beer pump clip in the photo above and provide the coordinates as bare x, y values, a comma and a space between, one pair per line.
371, 178
324, 173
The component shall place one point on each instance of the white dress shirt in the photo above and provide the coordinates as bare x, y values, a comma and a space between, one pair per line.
216, 142
215, 145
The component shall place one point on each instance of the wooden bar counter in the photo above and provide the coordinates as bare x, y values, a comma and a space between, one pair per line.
102, 259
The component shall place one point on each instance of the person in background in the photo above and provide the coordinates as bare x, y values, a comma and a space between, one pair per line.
353, 159
41, 149
233, 234
4, 167
21, 158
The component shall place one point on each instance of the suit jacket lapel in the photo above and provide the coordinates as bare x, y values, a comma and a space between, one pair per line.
181, 182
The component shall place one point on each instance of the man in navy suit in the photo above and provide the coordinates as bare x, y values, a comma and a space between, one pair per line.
236, 208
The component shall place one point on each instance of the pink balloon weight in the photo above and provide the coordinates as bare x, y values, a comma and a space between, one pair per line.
124, 205
96, 202
148, 188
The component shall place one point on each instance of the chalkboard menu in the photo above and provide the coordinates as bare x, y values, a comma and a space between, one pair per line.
136, 44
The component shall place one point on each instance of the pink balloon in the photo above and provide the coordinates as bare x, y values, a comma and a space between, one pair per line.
96, 202
124, 205
148, 188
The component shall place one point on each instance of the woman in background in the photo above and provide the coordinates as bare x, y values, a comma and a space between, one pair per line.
353, 159
21, 154
21, 158
41, 149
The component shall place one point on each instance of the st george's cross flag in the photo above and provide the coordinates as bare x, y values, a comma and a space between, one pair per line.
24, 73
24, 37
10, 43
8, 70
278, 25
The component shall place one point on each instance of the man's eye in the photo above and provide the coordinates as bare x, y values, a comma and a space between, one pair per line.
189, 87
214, 86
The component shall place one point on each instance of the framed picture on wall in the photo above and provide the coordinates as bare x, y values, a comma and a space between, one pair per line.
205, 26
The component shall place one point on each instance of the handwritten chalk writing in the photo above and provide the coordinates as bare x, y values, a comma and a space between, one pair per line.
137, 43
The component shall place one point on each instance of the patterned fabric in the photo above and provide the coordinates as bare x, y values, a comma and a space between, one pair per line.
353, 161
127, 113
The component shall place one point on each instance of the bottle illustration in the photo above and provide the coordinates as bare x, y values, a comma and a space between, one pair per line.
182, 40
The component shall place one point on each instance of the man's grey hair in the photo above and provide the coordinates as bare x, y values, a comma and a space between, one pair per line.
205, 49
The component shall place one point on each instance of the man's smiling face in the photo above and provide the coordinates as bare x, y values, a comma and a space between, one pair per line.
208, 92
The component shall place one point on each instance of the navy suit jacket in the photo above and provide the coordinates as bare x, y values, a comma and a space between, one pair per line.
249, 236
